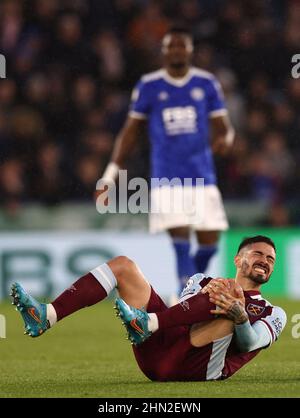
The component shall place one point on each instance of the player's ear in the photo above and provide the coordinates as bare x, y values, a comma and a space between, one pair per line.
237, 261
164, 49
190, 47
165, 43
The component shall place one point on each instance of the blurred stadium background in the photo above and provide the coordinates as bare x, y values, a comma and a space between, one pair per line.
71, 65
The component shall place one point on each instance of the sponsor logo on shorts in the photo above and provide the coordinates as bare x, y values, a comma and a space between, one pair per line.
185, 305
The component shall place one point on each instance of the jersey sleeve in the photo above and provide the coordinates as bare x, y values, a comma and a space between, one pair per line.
193, 286
262, 333
140, 101
215, 99
275, 323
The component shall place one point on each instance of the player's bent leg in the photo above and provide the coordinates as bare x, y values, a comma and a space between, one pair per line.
140, 325
96, 285
195, 310
206, 332
132, 285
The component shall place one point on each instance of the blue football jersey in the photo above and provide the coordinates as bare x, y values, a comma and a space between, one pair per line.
178, 113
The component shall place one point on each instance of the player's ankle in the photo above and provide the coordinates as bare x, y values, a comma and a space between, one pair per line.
51, 314
152, 322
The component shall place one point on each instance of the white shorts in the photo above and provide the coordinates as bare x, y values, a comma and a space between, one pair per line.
202, 209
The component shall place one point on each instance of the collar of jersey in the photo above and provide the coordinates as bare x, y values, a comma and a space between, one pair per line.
252, 293
178, 82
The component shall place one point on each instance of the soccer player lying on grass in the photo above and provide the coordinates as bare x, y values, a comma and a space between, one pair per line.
218, 326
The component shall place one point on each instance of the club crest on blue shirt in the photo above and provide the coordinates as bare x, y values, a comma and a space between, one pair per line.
163, 95
254, 310
197, 93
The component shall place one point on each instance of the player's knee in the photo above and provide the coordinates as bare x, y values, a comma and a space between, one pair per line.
121, 266
125, 263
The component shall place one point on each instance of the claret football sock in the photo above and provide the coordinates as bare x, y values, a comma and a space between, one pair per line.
86, 291
185, 262
203, 256
188, 312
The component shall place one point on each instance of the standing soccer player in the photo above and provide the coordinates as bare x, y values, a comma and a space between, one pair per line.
187, 122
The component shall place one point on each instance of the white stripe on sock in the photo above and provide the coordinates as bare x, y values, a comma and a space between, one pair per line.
105, 277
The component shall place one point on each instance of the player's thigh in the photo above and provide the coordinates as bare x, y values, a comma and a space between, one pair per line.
207, 237
206, 332
180, 232
131, 283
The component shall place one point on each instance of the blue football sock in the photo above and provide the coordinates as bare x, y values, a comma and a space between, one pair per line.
203, 255
185, 262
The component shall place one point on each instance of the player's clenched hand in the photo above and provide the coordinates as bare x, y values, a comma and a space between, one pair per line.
232, 306
219, 147
216, 285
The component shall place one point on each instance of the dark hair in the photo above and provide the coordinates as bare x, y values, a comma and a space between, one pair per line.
180, 30
257, 238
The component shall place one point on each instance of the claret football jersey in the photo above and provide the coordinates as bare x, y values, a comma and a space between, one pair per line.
223, 357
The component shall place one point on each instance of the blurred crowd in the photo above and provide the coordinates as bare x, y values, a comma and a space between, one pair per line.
71, 65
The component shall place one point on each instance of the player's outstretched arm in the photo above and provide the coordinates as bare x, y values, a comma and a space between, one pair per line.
126, 140
222, 134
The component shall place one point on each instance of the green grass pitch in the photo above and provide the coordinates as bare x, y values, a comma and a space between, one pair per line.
86, 355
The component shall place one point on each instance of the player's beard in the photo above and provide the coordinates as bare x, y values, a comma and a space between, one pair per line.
247, 271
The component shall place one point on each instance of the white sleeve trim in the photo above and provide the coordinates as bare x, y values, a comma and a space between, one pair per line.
272, 337
137, 115
219, 112
275, 322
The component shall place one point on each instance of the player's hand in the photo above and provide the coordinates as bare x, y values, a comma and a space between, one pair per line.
216, 285
219, 147
232, 306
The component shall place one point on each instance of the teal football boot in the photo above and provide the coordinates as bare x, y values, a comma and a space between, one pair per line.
134, 320
34, 313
